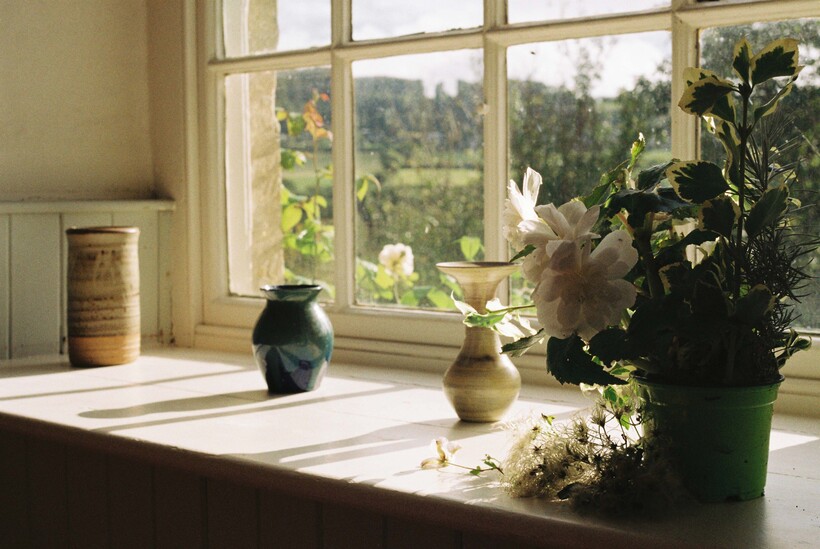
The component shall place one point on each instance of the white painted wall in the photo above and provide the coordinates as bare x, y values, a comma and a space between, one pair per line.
74, 100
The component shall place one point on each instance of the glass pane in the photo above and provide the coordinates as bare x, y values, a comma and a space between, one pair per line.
278, 179
521, 11
419, 135
386, 18
252, 27
576, 106
802, 124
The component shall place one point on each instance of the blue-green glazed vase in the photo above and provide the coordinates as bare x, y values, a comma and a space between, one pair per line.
292, 339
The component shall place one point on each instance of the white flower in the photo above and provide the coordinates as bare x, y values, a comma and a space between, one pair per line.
397, 259
569, 222
444, 453
582, 292
520, 206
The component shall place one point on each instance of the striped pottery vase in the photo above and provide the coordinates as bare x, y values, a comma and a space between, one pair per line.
103, 295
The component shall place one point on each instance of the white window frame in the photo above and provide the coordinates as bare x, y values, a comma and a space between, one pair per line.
415, 337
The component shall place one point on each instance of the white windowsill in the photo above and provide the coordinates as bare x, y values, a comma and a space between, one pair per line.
358, 440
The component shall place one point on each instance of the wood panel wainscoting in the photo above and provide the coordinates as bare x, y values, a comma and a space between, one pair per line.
33, 251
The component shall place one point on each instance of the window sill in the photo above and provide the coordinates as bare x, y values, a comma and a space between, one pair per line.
358, 441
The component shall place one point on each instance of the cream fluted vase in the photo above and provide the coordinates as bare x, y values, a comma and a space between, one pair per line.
482, 384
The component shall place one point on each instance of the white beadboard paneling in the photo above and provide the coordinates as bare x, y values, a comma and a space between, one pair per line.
35, 284
5, 312
68, 220
147, 221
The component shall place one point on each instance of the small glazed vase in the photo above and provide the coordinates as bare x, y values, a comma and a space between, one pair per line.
482, 384
103, 295
292, 339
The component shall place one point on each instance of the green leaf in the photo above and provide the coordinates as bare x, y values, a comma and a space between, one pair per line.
767, 210
742, 59
289, 158
771, 105
521, 346
778, 58
653, 175
641, 203
697, 181
720, 215
700, 97
409, 298
610, 394
610, 345
291, 216
637, 148
753, 306
363, 185
527, 250
569, 363
470, 247
383, 278
439, 299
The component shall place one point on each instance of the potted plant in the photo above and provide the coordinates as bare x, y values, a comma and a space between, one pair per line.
682, 277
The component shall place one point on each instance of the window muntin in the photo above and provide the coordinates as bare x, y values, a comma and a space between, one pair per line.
522, 11
419, 134
258, 27
391, 18
689, 15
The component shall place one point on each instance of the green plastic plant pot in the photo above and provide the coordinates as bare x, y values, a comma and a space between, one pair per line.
719, 436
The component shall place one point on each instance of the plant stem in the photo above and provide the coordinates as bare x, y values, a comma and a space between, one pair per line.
741, 195
644, 248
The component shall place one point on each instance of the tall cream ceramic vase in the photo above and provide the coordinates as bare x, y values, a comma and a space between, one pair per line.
482, 384
103, 295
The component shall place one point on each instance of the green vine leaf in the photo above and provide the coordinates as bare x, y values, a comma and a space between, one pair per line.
527, 250
569, 363
522, 345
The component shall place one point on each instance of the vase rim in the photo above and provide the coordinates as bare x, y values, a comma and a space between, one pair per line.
474, 264
291, 292
103, 230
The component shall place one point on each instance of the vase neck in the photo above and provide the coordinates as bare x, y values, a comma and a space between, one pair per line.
296, 293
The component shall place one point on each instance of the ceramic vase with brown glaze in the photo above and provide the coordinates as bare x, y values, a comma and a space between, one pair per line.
103, 295
482, 384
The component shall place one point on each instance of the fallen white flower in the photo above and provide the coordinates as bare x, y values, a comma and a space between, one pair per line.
444, 450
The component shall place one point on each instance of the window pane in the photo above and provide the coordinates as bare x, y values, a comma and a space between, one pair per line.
386, 18
252, 27
802, 106
278, 179
576, 106
419, 134
547, 10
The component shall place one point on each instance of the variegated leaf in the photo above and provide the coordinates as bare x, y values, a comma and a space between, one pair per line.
719, 215
771, 105
700, 97
778, 58
742, 60
693, 74
697, 181
766, 210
